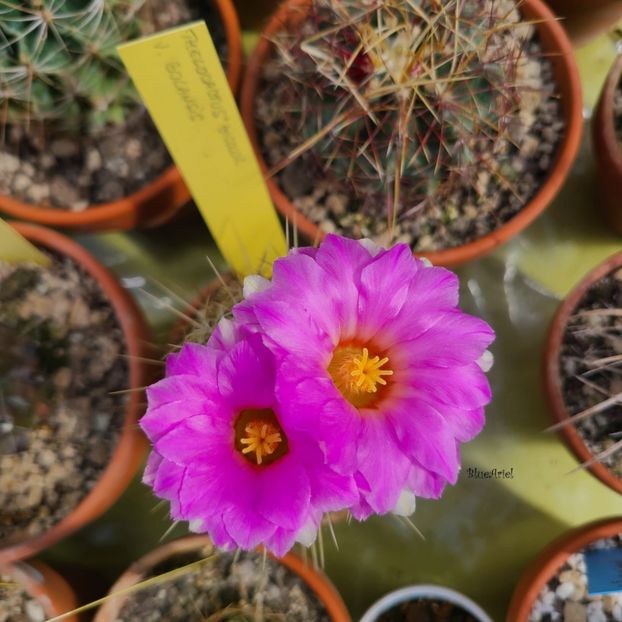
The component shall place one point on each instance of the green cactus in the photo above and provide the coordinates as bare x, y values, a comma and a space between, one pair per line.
408, 99
58, 61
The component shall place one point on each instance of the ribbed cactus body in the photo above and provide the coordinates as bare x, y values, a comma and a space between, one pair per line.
409, 97
58, 61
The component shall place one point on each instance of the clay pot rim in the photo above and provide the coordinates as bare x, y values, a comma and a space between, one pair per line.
131, 446
103, 216
317, 581
233, 36
605, 115
568, 80
551, 372
546, 564
52, 592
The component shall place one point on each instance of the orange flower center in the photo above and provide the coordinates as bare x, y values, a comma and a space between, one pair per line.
259, 437
359, 376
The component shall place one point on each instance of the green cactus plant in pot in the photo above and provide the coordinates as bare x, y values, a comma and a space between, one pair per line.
439, 124
582, 371
78, 149
189, 579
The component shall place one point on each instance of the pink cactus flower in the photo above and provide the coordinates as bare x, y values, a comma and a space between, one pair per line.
375, 359
226, 459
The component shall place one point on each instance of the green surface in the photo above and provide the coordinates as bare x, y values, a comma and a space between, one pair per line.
481, 535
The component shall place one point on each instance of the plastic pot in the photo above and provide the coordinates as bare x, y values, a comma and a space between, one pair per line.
547, 563
155, 203
551, 371
608, 150
430, 592
556, 44
317, 582
45, 585
131, 446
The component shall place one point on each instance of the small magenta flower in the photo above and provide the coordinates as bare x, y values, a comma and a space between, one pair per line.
376, 360
226, 459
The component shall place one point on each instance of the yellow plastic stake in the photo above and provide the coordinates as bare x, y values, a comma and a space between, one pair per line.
15, 248
180, 79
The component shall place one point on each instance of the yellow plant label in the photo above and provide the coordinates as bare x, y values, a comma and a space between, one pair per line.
180, 79
14, 248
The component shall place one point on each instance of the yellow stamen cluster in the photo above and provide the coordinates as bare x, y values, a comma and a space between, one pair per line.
357, 375
368, 372
262, 438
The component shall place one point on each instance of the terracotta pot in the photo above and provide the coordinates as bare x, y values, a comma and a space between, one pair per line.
431, 592
608, 150
551, 371
45, 585
555, 43
131, 445
233, 35
586, 19
318, 583
155, 203
541, 569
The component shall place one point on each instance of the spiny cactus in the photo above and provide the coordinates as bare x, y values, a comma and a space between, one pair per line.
601, 378
406, 99
58, 61
590, 365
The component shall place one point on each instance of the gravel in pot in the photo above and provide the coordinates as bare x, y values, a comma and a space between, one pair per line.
63, 357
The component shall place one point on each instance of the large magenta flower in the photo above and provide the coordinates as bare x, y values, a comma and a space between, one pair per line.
224, 456
377, 361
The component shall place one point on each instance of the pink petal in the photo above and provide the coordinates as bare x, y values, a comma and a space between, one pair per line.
383, 288
299, 280
180, 387
382, 463
225, 335
167, 485
290, 328
217, 487
283, 492
281, 541
198, 439
215, 527
361, 510
426, 437
247, 529
342, 260
456, 338
462, 387
151, 468
340, 426
193, 359
246, 375
465, 424
159, 420
425, 484
309, 401
434, 288
331, 492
